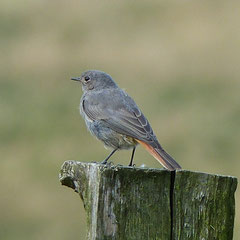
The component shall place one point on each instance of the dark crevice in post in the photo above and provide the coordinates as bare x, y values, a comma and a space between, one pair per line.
173, 173
103, 190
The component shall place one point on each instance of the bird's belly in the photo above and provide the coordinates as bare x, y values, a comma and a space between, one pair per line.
109, 137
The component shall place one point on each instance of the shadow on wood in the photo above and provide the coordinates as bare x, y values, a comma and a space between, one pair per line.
144, 203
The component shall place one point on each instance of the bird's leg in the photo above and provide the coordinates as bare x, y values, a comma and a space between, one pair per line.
133, 151
106, 159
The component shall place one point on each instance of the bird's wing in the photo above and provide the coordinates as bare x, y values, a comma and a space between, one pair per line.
123, 118
121, 114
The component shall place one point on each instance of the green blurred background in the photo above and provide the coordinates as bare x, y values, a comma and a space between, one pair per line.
178, 60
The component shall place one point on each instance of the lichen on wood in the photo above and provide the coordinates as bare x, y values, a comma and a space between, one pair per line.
122, 202
204, 206
141, 203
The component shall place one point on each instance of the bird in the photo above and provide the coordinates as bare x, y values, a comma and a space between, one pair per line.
113, 117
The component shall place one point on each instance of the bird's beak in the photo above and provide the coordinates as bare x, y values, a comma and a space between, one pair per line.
76, 79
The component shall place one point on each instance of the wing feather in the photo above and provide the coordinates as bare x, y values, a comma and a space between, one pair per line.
128, 121
120, 113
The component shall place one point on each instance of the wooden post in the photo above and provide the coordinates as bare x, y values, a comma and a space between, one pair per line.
150, 204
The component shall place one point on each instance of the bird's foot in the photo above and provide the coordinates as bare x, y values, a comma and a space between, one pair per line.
109, 164
132, 165
104, 162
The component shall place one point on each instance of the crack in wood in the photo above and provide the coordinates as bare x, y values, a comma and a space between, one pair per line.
172, 179
157, 204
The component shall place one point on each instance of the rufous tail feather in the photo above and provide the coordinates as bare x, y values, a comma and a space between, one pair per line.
163, 157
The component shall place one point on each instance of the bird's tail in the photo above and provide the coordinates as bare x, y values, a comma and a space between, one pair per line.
163, 157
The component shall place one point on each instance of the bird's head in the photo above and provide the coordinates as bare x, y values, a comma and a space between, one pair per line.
94, 79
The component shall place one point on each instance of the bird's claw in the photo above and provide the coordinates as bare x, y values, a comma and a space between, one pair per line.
133, 165
104, 162
109, 164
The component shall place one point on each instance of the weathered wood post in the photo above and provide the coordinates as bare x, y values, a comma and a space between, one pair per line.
150, 204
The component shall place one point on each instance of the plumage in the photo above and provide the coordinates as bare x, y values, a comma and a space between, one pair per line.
113, 117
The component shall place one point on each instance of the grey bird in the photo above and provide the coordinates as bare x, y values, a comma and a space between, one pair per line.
114, 118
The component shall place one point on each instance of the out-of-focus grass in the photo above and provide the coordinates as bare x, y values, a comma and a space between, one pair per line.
178, 60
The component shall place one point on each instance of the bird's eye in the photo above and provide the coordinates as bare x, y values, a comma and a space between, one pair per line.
87, 78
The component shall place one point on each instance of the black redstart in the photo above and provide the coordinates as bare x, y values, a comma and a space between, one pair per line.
114, 118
